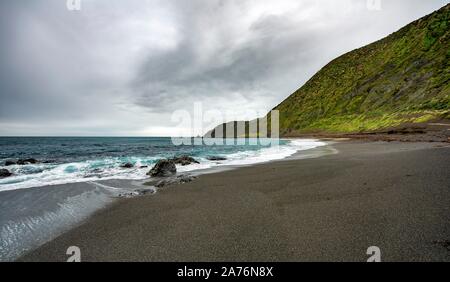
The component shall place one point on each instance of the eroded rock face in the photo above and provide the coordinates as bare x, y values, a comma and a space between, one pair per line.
184, 160
5, 173
163, 168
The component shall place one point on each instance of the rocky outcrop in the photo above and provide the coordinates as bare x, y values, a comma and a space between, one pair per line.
9, 163
5, 173
162, 182
22, 162
184, 160
163, 168
181, 179
127, 165
27, 161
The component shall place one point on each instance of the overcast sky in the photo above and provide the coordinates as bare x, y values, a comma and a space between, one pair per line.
121, 67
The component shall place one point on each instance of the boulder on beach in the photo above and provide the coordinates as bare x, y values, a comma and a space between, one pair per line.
216, 158
163, 168
173, 180
186, 178
27, 161
184, 160
181, 179
127, 165
5, 173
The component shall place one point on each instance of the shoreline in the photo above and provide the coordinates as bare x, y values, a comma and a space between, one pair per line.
56, 209
319, 209
110, 167
437, 131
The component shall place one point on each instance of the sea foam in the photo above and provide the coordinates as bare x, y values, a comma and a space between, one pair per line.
31, 217
109, 168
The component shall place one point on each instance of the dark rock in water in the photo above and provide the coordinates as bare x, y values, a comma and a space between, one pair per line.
184, 160
163, 168
127, 165
9, 163
27, 161
144, 166
216, 158
5, 173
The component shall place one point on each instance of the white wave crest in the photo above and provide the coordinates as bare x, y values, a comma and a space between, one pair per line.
110, 168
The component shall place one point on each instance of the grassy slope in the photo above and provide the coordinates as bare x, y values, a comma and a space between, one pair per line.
404, 77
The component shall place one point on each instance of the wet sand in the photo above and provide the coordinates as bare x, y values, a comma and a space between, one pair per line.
392, 195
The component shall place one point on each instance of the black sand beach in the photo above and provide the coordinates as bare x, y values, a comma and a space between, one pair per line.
392, 195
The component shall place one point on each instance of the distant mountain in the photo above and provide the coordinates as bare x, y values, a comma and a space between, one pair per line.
403, 78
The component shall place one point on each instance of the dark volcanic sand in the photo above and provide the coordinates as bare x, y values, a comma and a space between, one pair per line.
392, 195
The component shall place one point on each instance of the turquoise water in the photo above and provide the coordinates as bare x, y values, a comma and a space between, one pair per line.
80, 159
78, 176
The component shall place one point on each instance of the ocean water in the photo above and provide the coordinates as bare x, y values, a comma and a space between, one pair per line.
71, 160
78, 176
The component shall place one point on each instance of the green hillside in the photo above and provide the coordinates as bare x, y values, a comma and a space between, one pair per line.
399, 79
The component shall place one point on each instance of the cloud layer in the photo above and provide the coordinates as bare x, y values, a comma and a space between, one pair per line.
122, 67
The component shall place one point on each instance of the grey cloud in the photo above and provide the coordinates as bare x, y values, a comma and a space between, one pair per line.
122, 67
275, 47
